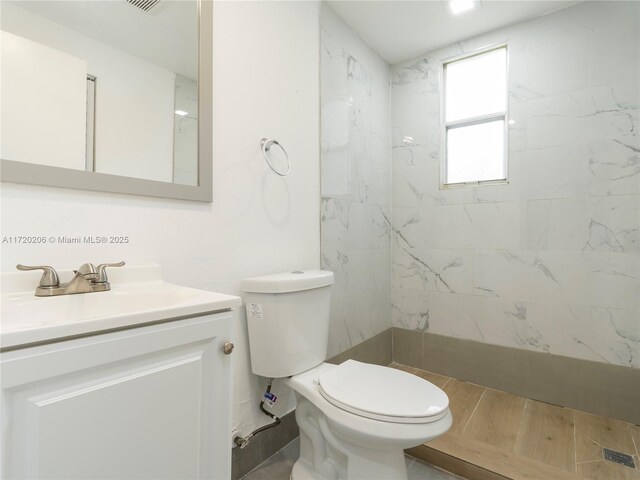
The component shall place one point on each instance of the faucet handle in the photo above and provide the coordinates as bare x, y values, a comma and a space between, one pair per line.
49, 277
102, 271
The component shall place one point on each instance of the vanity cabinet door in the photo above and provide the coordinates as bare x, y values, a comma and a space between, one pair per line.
146, 403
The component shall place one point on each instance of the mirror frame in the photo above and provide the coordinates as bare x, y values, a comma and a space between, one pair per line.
34, 174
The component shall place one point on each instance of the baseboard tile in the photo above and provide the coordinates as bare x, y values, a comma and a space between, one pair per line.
377, 350
570, 382
263, 446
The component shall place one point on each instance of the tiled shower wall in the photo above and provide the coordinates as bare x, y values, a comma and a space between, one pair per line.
549, 261
356, 183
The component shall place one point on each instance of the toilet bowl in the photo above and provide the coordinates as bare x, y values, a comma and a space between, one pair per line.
355, 419
362, 433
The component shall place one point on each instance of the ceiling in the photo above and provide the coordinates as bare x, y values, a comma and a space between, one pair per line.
166, 35
399, 30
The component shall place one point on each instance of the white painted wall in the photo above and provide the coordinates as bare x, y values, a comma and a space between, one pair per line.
51, 108
134, 99
548, 262
258, 223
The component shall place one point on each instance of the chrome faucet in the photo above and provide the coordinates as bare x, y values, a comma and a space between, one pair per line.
87, 279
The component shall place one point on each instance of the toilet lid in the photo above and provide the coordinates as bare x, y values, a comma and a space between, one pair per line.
383, 393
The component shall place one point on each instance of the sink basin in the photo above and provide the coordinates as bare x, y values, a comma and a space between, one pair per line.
138, 296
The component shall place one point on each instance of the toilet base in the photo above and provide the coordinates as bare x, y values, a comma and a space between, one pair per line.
323, 456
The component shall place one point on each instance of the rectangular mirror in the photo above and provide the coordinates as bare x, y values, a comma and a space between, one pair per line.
108, 95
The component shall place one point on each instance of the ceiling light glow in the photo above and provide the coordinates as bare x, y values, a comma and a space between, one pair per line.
182, 113
460, 6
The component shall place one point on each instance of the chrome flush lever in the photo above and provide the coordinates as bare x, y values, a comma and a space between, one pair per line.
49, 277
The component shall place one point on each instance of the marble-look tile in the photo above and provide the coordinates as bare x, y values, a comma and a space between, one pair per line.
610, 335
558, 172
356, 184
368, 227
614, 166
588, 115
614, 41
435, 270
490, 225
586, 278
555, 250
416, 180
605, 224
565, 69
482, 318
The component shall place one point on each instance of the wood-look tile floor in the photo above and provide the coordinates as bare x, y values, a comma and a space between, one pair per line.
496, 435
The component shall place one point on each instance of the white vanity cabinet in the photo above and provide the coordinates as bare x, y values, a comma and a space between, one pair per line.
151, 402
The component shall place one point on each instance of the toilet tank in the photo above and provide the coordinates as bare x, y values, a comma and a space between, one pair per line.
288, 321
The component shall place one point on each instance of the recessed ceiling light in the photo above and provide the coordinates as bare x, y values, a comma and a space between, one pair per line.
460, 6
182, 113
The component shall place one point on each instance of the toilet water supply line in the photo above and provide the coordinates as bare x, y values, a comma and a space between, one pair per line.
243, 441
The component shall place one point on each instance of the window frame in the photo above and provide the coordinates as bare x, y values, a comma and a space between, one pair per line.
470, 121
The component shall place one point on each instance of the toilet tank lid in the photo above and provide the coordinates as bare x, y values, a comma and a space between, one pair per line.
294, 281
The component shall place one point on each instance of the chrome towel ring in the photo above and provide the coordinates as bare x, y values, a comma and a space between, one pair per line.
266, 145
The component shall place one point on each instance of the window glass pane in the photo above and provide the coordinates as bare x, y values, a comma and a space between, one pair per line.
476, 86
476, 153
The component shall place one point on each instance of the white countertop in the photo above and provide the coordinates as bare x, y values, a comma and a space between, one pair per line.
138, 296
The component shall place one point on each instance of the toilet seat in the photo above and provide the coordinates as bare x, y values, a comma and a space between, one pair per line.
382, 393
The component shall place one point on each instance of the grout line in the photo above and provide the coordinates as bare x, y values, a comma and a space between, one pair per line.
445, 383
633, 440
473, 413
575, 441
524, 413
594, 461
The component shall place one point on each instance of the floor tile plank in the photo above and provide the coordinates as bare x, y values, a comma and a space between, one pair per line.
499, 435
493, 459
496, 420
463, 398
547, 435
606, 470
594, 433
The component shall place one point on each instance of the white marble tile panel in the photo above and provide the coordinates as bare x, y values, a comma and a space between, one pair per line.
601, 334
416, 180
559, 172
614, 166
334, 222
594, 279
334, 122
606, 224
574, 118
434, 270
614, 49
541, 68
500, 225
370, 273
368, 227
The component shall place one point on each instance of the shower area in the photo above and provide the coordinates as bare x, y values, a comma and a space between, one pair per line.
519, 297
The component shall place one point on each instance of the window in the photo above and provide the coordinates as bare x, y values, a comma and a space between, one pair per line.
475, 118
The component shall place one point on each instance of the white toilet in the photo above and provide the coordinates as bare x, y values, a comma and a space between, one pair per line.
355, 419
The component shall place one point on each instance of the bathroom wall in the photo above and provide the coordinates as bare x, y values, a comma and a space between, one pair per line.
548, 262
258, 222
356, 183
